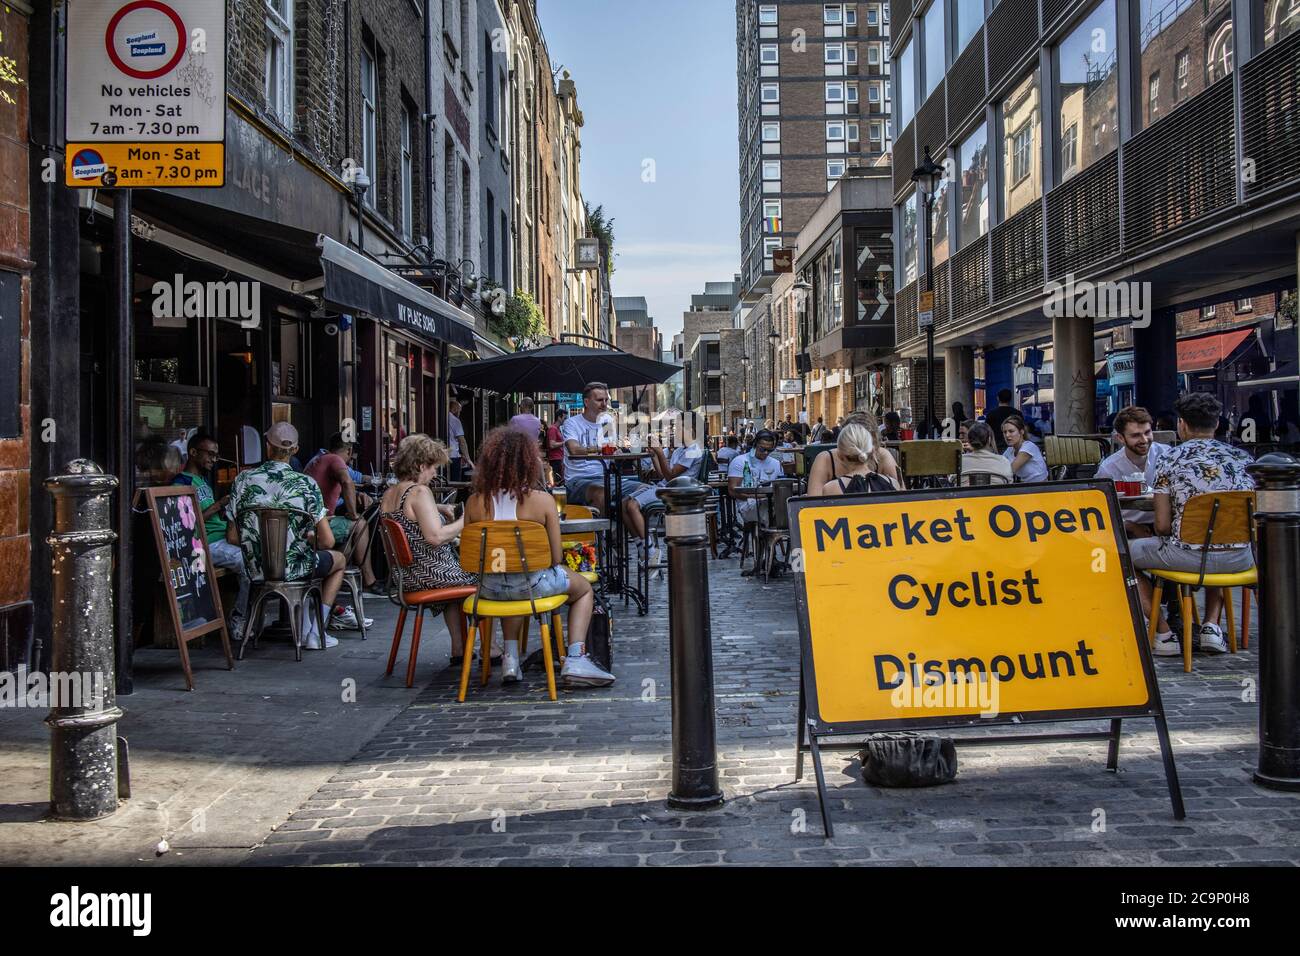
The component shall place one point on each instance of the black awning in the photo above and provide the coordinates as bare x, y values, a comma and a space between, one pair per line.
354, 283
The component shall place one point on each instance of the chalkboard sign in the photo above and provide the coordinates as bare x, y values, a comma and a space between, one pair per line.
187, 573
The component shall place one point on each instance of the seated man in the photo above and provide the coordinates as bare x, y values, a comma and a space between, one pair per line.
203, 454
333, 476
273, 484
1140, 455
729, 450
584, 478
684, 461
1198, 466
756, 467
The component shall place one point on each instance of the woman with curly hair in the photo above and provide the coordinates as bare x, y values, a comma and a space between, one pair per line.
508, 487
429, 527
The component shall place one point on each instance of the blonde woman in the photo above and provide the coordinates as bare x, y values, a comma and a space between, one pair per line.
831, 464
856, 448
429, 527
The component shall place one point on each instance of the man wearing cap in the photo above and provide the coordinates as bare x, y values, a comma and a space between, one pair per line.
274, 484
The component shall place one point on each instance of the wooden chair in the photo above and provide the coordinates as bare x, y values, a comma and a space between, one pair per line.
1223, 517
1065, 452
927, 463
400, 559
515, 547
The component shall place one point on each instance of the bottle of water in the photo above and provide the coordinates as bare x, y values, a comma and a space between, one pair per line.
747, 481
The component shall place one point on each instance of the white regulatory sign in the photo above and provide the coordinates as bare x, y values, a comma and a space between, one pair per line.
146, 71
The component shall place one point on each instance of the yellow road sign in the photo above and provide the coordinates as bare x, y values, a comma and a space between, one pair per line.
971, 605
117, 165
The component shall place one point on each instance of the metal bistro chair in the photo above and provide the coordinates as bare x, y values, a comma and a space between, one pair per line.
1072, 456
774, 524
273, 532
353, 580
517, 547
930, 463
1223, 517
400, 558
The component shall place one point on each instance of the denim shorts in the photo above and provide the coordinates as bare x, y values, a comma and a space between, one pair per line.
514, 586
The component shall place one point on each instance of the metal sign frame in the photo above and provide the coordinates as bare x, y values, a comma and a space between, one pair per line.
812, 729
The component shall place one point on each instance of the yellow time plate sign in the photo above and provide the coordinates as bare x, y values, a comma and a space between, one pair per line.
157, 165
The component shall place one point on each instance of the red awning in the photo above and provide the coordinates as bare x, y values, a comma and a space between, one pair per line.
1206, 351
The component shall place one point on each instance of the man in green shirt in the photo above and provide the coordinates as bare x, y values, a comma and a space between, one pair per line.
203, 454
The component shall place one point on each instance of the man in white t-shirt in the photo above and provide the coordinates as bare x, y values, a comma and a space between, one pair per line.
1140, 455
758, 466
584, 478
457, 447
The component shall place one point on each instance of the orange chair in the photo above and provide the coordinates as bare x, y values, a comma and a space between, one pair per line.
398, 549
516, 547
1223, 517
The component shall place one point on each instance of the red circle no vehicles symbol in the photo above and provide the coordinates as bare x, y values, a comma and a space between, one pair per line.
181, 36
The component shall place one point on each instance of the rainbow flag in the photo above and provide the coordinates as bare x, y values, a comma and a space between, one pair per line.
772, 224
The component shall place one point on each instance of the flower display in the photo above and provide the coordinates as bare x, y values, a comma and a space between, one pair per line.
185, 505
581, 557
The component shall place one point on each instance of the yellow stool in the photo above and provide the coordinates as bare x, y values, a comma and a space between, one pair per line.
1185, 581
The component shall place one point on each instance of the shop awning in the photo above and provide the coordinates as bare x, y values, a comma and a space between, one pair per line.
355, 283
1207, 351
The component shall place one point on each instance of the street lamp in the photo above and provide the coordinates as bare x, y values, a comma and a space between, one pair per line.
927, 177
802, 292
744, 391
773, 337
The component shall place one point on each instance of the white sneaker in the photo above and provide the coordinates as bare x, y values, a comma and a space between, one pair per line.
1167, 645
348, 620
510, 672
582, 671
312, 641
1212, 641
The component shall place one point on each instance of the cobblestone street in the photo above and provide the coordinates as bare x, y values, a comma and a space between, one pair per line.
509, 778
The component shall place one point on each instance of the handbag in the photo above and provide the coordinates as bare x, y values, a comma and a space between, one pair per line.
908, 760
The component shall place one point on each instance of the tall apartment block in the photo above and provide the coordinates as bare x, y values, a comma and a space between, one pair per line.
813, 96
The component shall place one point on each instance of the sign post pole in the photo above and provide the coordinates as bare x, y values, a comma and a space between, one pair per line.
695, 745
1277, 520
83, 742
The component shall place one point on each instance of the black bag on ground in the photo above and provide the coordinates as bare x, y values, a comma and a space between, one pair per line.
599, 636
908, 760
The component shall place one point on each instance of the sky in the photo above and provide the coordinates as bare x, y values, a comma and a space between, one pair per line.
656, 82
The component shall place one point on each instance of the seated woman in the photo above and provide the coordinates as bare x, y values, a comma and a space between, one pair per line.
831, 464
983, 457
429, 528
1027, 462
507, 485
861, 473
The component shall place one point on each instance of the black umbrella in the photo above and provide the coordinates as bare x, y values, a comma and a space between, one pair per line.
561, 368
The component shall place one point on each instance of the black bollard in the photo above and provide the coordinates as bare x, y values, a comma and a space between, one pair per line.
84, 714
1277, 523
695, 743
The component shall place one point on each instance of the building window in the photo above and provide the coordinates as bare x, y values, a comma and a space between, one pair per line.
505, 250
850, 15
1070, 151
466, 211
771, 132
1219, 58
279, 59
491, 235
771, 209
769, 53
771, 93
973, 163
906, 85
873, 93
449, 195
1153, 94
408, 177
873, 17
853, 132
876, 131
1165, 27
767, 15
1087, 87
1184, 57
833, 14
771, 170
369, 123
835, 131
873, 54
1281, 19
909, 240
852, 91
1207, 313
969, 14
834, 53
834, 92
940, 213
834, 168
1019, 119
1244, 305
933, 36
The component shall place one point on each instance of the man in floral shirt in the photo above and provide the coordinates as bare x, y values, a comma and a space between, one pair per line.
274, 484
1197, 466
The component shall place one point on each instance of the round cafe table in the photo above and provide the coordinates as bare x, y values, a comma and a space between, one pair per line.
1145, 502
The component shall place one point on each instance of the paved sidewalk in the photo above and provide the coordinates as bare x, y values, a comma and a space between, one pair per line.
216, 770
510, 778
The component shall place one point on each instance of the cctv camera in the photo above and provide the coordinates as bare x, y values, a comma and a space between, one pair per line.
331, 328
